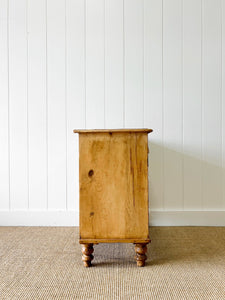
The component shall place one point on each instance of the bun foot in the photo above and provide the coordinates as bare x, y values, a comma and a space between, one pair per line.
140, 250
87, 250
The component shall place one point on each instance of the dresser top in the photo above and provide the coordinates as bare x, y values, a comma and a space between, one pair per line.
146, 130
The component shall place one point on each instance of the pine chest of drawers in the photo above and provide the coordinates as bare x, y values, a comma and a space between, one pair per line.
113, 180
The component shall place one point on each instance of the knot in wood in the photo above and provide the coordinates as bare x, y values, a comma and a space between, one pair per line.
90, 173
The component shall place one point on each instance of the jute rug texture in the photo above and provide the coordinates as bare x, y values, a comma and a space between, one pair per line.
45, 263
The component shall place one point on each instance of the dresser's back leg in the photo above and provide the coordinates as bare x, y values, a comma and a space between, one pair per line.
140, 250
87, 250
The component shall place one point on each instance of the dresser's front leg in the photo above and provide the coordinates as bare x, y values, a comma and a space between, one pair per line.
140, 250
87, 250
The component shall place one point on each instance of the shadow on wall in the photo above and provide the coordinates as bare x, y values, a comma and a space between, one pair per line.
178, 181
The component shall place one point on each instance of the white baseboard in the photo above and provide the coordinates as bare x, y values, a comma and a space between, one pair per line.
71, 218
187, 218
39, 218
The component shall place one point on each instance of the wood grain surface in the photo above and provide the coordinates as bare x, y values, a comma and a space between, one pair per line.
113, 130
113, 186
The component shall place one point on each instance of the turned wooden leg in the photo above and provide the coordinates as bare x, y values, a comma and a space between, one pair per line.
140, 250
87, 250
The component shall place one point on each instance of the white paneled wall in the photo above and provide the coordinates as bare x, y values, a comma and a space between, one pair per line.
67, 64
37, 105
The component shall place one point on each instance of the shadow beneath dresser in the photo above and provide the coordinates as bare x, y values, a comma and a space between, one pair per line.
187, 244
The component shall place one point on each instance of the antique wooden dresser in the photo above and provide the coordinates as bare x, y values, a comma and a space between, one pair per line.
113, 175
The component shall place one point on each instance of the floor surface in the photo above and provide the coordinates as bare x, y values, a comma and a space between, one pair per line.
45, 263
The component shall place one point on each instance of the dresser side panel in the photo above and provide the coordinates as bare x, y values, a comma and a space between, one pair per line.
113, 186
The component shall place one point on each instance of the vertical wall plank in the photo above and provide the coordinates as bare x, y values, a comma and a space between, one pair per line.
223, 102
37, 104
114, 64
212, 155
133, 42
18, 104
4, 138
172, 97
153, 97
95, 106
56, 104
75, 67
192, 120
